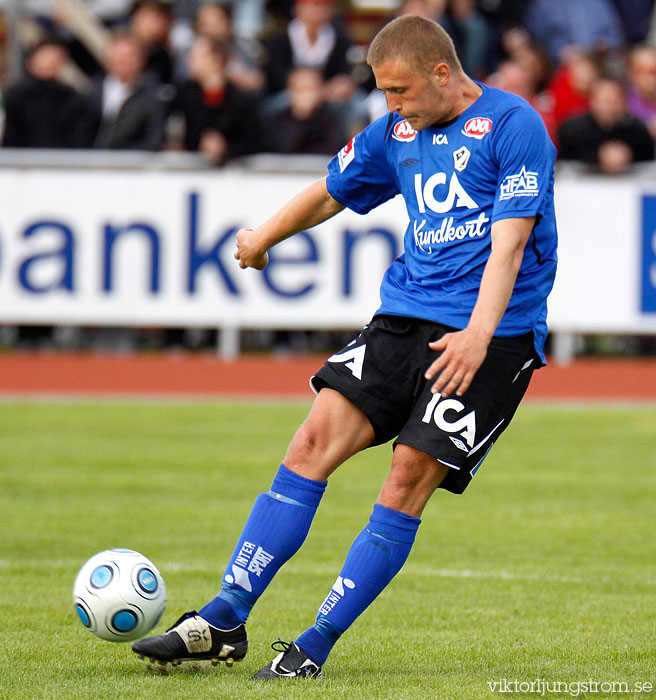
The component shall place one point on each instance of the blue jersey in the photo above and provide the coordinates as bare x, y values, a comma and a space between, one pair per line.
495, 161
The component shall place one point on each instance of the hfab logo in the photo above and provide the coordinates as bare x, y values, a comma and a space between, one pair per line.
404, 132
477, 127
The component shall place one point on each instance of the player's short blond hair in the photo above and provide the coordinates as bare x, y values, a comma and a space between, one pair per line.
418, 41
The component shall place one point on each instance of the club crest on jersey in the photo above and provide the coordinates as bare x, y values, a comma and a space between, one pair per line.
477, 127
404, 132
346, 155
461, 158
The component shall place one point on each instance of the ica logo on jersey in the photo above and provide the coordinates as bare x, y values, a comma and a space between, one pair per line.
477, 127
404, 132
437, 200
427, 195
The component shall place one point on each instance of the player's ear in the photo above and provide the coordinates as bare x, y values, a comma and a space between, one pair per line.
441, 73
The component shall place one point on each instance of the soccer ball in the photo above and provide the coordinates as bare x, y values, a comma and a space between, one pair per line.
119, 595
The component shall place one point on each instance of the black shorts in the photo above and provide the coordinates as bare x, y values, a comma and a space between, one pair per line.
382, 373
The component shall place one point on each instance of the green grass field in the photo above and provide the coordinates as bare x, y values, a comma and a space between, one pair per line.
543, 570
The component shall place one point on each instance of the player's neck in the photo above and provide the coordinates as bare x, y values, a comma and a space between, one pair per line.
465, 93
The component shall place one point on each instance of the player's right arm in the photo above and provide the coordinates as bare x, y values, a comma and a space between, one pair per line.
308, 208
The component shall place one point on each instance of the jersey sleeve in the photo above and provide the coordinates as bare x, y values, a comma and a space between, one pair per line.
525, 157
359, 176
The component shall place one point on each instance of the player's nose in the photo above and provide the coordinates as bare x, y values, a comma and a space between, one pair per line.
393, 103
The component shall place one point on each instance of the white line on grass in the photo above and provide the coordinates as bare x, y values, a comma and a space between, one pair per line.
463, 573
427, 572
320, 570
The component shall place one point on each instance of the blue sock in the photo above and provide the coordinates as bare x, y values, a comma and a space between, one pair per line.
276, 527
375, 557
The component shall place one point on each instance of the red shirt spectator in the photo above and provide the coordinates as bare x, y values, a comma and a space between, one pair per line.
570, 86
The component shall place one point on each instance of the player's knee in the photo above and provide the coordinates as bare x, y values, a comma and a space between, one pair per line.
403, 478
412, 469
306, 447
412, 480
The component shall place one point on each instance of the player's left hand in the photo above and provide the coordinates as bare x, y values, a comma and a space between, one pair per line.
463, 353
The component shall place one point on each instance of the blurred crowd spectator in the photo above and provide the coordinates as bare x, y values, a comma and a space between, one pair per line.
127, 111
303, 121
40, 110
606, 136
219, 119
312, 39
227, 79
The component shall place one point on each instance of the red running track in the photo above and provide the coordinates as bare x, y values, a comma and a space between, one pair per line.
204, 375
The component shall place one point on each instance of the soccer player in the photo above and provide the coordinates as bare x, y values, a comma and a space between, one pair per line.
445, 360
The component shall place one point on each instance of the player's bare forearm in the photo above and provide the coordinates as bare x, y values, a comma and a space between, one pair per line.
509, 237
463, 352
308, 208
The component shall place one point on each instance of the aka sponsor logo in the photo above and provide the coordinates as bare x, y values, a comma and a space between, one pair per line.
346, 155
522, 184
440, 140
251, 559
477, 127
404, 132
441, 202
336, 594
354, 359
463, 426
425, 239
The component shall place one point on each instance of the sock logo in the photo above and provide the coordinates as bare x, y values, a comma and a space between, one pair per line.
251, 558
336, 594
239, 577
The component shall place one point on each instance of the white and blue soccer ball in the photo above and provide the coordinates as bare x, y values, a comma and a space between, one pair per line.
119, 595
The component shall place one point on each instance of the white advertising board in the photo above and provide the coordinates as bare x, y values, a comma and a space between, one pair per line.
606, 280
156, 249
135, 248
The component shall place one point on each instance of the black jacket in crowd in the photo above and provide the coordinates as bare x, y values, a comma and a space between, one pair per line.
139, 124
322, 133
579, 138
235, 116
279, 59
46, 114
